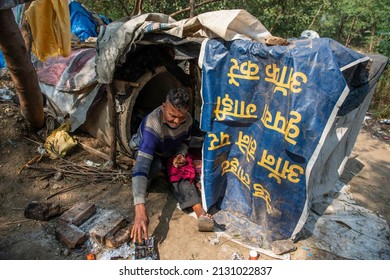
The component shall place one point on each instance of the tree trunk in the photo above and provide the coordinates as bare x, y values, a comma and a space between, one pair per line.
315, 17
124, 7
22, 71
373, 31
113, 123
350, 34
340, 30
192, 8
137, 10
195, 6
26, 31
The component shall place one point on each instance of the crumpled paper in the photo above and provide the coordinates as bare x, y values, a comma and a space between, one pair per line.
59, 142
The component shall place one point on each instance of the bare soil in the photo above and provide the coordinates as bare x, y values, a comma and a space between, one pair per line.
24, 179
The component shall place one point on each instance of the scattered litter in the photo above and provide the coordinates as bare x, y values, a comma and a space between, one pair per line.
214, 239
59, 142
253, 255
41, 150
367, 118
305, 248
91, 257
385, 121
133, 251
57, 186
237, 256
124, 252
58, 176
6, 94
309, 254
91, 163
146, 250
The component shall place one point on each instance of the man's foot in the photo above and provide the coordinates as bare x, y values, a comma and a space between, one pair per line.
205, 223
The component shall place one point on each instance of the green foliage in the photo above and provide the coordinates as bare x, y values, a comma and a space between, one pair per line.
380, 103
108, 8
383, 46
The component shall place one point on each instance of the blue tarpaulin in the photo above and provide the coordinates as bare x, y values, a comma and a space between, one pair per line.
2, 61
82, 23
267, 111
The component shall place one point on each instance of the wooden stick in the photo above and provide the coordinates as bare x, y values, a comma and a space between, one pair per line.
94, 151
18, 222
33, 160
96, 194
112, 123
36, 142
79, 185
100, 154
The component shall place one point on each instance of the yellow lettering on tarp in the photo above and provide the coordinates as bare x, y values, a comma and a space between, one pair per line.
281, 125
292, 131
247, 71
289, 172
233, 108
234, 167
260, 191
247, 146
284, 79
216, 143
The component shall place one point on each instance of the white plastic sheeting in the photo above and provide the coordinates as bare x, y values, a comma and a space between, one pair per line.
346, 229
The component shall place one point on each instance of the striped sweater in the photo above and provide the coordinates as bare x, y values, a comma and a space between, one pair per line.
156, 138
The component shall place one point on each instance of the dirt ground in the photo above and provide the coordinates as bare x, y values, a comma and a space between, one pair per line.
176, 235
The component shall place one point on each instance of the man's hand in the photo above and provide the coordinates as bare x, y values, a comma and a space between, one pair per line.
139, 230
179, 160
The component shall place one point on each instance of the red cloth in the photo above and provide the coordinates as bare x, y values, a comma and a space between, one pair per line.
187, 171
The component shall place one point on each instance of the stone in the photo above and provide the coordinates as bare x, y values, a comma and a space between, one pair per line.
280, 247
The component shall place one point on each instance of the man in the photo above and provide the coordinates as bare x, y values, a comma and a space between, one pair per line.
163, 133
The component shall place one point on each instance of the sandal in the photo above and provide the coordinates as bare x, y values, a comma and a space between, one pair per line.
205, 223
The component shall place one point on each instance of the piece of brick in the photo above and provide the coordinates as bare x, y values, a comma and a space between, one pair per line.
110, 225
41, 210
117, 239
79, 213
70, 235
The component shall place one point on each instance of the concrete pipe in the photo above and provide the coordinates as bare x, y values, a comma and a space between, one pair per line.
133, 101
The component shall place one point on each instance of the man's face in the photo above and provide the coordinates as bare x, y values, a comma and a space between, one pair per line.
172, 116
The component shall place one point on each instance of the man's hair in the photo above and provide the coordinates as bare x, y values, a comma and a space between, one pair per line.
179, 98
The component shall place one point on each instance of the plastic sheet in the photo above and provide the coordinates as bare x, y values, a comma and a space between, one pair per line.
268, 112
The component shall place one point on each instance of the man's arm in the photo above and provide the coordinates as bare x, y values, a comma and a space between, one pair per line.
141, 169
139, 230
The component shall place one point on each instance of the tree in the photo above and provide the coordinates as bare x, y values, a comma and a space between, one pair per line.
22, 71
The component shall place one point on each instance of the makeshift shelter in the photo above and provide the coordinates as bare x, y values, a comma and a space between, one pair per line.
279, 121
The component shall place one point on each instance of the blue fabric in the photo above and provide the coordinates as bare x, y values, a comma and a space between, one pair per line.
82, 23
265, 109
2, 61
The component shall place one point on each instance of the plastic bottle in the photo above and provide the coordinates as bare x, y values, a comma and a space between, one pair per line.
253, 255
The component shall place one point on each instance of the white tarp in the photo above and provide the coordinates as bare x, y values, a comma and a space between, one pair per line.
119, 37
346, 229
